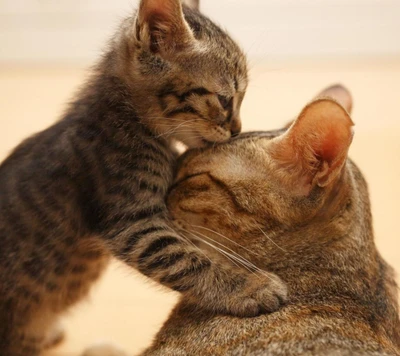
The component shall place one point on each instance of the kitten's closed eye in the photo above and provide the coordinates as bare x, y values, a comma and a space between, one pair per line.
226, 102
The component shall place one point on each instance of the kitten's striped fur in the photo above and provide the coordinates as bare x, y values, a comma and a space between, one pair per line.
92, 186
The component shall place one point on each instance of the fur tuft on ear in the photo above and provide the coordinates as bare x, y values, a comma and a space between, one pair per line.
314, 150
193, 4
162, 27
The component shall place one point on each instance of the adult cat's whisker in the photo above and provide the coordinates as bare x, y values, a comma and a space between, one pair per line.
224, 237
282, 249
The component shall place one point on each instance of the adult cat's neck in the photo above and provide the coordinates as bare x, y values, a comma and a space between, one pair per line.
335, 263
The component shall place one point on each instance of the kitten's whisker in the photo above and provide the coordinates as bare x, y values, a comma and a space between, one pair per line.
227, 238
178, 128
272, 240
222, 252
187, 239
238, 256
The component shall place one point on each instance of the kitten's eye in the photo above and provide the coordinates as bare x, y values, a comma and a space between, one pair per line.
225, 101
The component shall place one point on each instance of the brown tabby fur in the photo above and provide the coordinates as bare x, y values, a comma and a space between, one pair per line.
300, 209
93, 185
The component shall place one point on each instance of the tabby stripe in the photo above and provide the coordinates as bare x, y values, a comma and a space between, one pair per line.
169, 90
27, 294
17, 222
28, 200
34, 267
120, 190
177, 183
194, 269
187, 109
132, 168
157, 150
134, 239
196, 91
89, 132
157, 246
145, 213
164, 261
61, 262
182, 288
236, 83
222, 185
117, 219
144, 185
123, 172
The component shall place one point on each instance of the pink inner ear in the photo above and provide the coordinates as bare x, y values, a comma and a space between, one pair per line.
331, 143
314, 149
162, 10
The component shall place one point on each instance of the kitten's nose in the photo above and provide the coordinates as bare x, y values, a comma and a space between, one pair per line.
236, 127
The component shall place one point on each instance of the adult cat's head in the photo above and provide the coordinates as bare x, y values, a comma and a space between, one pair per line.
272, 183
188, 77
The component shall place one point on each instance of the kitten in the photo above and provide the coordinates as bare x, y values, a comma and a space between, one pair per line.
93, 185
300, 208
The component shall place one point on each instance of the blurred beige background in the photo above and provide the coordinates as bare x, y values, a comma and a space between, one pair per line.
296, 48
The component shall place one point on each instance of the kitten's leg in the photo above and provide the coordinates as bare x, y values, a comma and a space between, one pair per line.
156, 250
104, 350
21, 339
54, 336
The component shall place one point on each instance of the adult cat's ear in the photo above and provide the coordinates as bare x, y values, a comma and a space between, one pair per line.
194, 4
161, 26
314, 150
337, 92
340, 94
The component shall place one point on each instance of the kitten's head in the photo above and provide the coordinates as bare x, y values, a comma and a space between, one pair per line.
188, 77
268, 182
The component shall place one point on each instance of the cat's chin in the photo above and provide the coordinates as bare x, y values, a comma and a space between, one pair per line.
198, 142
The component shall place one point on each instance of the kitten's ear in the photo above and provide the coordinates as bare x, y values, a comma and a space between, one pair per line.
161, 26
194, 4
314, 150
340, 94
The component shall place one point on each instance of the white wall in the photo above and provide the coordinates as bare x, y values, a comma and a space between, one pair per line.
74, 30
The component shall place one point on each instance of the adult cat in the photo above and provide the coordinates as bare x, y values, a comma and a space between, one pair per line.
93, 185
290, 202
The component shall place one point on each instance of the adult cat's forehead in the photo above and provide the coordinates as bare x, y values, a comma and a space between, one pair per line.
241, 158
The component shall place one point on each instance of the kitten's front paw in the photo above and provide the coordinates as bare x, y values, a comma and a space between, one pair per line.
261, 294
